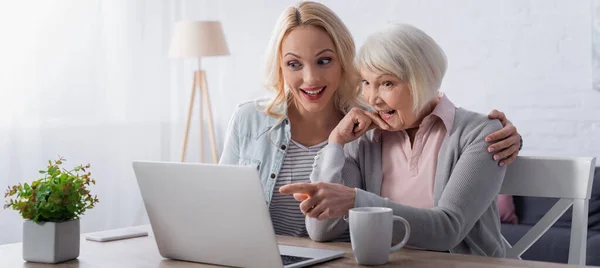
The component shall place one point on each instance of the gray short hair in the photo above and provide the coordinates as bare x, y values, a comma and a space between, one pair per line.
410, 54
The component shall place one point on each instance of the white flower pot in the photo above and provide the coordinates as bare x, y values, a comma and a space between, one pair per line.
50, 242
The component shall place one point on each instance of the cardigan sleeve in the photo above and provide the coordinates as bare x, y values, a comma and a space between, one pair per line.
474, 183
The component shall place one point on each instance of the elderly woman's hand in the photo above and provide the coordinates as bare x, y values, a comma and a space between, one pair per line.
354, 125
325, 200
507, 141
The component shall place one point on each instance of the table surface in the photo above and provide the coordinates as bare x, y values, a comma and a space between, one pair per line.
143, 252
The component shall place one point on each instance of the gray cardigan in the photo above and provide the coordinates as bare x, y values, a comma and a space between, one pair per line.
467, 181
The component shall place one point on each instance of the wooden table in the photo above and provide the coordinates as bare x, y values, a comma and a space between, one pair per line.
142, 252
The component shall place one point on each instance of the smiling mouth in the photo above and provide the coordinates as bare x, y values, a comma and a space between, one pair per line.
313, 92
386, 115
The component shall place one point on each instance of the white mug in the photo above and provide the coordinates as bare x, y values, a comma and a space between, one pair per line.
371, 234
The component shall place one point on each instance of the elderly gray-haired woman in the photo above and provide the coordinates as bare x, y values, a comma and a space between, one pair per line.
427, 159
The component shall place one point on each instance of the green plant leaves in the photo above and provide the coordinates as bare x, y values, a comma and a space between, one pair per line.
61, 195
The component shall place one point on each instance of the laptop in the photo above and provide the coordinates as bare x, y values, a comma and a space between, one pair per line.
215, 214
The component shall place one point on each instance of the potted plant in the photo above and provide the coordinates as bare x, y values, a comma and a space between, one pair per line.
51, 207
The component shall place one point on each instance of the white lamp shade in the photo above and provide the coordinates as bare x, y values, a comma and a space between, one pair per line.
198, 39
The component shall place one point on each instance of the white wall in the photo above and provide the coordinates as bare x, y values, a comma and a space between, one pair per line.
530, 59
90, 81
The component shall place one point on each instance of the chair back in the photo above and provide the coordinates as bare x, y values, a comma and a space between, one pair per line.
569, 179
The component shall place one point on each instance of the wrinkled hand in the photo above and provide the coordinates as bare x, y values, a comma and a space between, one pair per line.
507, 140
354, 125
322, 200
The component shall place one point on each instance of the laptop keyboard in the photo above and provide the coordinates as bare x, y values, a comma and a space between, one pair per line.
287, 260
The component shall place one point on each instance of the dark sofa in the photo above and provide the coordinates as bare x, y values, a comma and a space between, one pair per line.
553, 246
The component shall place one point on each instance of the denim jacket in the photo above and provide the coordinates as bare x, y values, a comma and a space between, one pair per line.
256, 139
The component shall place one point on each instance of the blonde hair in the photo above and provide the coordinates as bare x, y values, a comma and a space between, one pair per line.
315, 15
410, 54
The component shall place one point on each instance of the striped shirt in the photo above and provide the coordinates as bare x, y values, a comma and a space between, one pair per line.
284, 209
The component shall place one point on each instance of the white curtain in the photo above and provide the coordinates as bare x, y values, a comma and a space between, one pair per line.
90, 81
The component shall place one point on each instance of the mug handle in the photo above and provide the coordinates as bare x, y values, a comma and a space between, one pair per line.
406, 234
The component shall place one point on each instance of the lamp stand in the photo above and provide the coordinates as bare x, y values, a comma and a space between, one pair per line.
202, 85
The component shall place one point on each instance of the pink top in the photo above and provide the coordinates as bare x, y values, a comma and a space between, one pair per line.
409, 173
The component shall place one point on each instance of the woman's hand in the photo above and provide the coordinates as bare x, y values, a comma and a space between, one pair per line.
354, 125
507, 140
325, 200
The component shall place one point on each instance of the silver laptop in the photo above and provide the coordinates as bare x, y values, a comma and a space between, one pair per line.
215, 214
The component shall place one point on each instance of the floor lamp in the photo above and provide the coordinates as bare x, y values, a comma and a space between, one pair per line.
198, 39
